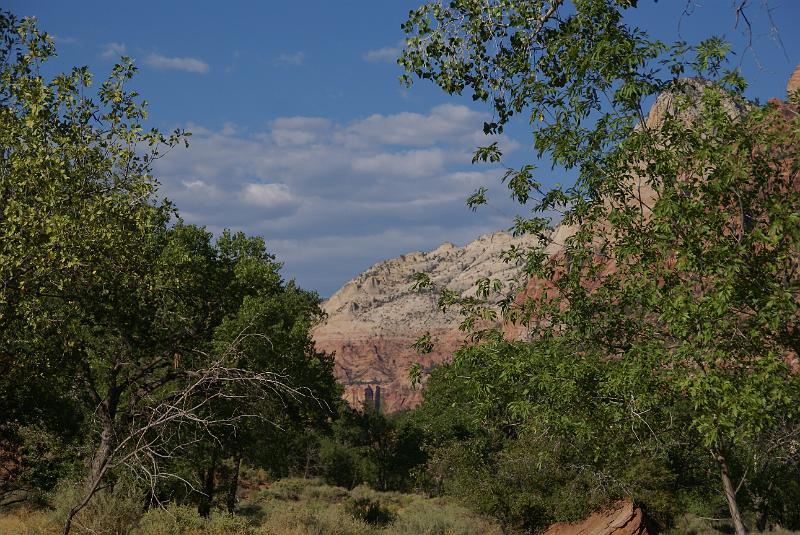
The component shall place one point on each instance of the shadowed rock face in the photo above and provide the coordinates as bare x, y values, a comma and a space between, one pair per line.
375, 318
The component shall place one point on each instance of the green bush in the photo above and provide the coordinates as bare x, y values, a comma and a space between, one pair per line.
339, 464
288, 518
184, 519
436, 517
171, 520
220, 523
370, 511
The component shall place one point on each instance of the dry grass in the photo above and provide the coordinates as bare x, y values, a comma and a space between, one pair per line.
26, 522
287, 507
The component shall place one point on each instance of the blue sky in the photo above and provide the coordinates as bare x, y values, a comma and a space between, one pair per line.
302, 133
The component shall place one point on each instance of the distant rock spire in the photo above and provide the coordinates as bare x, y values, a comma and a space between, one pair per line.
369, 401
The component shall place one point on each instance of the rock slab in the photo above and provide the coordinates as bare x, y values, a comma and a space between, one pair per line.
622, 518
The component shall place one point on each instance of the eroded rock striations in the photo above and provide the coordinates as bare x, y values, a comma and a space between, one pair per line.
374, 319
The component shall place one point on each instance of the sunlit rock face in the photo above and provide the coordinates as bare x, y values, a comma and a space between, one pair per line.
794, 82
621, 518
374, 319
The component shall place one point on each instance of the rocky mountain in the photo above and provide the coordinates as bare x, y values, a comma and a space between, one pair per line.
374, 319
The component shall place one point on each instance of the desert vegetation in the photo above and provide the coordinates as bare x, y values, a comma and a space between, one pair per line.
156, 378
290, 506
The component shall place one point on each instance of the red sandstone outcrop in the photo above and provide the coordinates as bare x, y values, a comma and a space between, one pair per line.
374, 319
623, 518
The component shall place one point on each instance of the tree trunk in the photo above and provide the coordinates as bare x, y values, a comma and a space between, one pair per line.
761, 507
100, 457
97, 470
204, 507
234, 485
730, 495
761, 519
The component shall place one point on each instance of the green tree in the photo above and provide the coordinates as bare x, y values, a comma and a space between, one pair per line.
77, 207
160, 335
534, 434
684, 238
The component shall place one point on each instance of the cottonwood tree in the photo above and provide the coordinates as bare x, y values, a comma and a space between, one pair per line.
684, 242
162, 332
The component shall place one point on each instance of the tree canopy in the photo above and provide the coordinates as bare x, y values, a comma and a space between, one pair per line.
149, 334
680, 236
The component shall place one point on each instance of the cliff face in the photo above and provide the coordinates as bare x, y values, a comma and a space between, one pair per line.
375, 318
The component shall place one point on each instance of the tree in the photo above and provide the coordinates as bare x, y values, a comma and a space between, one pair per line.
534, 433
161, 336
683, 242
76, 207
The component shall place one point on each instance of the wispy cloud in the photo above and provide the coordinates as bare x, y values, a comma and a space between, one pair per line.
161, 62
113, 50
387, 54
293, 58
64, 40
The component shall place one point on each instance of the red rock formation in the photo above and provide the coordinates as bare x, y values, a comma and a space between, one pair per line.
365, 362
622, 518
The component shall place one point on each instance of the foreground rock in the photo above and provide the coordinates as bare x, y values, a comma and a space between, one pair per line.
375, 318
623, 518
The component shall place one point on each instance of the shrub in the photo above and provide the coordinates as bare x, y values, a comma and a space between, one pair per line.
171, 520
115, 510
341, 465
24, 521
436, 517
289, 518
184, 520
220, 523
370, 511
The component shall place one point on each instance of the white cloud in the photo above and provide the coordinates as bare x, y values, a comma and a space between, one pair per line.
113, 50
291, 58
161, 62
267, 195
388, 54
411, 164
296, 131
201, 190
415, 129
363, 191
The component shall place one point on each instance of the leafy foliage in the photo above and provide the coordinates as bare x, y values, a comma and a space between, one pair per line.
156, 343
680, 263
